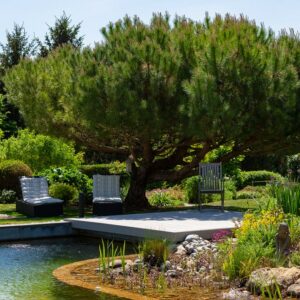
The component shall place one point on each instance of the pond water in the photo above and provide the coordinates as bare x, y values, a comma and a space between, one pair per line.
26, 269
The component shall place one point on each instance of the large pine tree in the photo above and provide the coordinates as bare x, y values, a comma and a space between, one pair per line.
166, 95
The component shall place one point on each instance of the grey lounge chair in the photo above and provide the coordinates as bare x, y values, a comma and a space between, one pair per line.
211, 181
36, 200
106, 195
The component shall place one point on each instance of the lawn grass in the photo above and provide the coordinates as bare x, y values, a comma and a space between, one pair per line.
237, 205
10, 209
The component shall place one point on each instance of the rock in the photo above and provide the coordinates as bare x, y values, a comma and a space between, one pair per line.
235, 294
294, 290
117, 264
202, 269
184, 243
192, 237
180, 250
190, 264
166, 266
137, 264
189, 249
270, 277
171, 273
179, 269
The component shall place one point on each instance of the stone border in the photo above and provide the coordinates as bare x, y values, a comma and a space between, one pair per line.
64, 274
14, 232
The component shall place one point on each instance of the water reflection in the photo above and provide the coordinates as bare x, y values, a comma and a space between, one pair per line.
26, 269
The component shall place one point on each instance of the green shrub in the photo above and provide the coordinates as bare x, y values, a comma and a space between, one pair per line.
155, 252
115, 167
161, 198
65, 192
293, 165
10, 171
39, 151
245, 178
294, 258
71, 176
190, 187
8, 196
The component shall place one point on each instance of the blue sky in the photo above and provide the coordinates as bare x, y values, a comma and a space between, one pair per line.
94, 14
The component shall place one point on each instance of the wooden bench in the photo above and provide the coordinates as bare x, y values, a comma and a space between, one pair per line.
211, 181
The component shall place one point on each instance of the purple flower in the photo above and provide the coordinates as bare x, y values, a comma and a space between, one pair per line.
221, 235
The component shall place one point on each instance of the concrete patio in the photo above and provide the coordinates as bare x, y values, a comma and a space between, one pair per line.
171, 225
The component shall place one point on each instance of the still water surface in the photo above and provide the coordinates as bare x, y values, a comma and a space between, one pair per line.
26, 269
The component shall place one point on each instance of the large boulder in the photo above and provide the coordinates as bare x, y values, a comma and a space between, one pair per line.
272, 278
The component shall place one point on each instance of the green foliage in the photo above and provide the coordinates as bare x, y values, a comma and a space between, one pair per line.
190, 87
114, 167
294, 258
190, 187
262, 177
65, 192
254, 247
17, 47
293, 165
155, 252
69, 175
39, 151
288, 198
8, 196
62, 33
164, 199
230, 168
10, 171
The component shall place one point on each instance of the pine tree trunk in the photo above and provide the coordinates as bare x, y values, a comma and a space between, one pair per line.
136, 196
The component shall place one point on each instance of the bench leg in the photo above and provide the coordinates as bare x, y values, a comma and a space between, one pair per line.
222, 202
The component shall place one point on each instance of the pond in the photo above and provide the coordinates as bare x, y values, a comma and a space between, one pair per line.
26, 268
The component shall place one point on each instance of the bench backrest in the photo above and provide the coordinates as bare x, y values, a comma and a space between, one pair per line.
34, 187
106, 186
210, 177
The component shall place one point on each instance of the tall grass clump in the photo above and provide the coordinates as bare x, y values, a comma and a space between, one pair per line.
107, 255
155, 252
255, 246
288, 198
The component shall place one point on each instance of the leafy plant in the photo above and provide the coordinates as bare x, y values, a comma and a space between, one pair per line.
69, 175
160, 199
39, 151
255, 245
8, 196
65, 192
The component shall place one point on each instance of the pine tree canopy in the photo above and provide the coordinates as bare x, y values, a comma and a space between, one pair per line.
168, 93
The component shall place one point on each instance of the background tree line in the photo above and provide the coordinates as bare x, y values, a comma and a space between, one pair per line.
20, 46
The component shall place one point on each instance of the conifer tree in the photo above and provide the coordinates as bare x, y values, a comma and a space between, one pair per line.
60, 34
166, 95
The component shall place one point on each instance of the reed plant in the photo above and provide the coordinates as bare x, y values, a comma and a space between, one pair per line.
107, 256
288, 198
